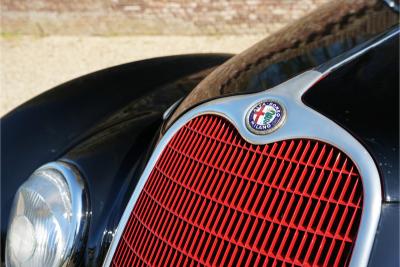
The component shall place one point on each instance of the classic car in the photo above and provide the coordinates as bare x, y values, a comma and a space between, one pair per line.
286, 154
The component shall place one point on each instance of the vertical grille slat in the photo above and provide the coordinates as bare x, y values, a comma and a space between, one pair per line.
214, 199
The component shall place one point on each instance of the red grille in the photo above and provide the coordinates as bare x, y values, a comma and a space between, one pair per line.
214, 199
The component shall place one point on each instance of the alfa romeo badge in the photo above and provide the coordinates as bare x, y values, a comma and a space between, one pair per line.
265, 117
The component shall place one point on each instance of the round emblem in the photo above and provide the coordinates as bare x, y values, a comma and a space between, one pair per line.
265, 117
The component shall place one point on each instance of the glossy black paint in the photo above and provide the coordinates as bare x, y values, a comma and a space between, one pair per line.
282, 71
114, 160
363, 97
385, 251
48, 126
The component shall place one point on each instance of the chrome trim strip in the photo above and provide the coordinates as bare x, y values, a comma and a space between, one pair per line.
171, 109
301, 122
393, 5
357, 51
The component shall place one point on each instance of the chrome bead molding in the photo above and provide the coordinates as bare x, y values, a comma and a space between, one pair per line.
301, 122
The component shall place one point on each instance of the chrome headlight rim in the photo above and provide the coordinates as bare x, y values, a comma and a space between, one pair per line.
80, 208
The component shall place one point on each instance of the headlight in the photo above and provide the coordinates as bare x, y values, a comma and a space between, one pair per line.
48, 219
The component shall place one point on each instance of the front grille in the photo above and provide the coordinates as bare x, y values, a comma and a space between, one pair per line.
215, 199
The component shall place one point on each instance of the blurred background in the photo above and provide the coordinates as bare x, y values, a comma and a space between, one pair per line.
47, 42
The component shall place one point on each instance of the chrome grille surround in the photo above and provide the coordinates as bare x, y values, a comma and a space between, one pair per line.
301, 122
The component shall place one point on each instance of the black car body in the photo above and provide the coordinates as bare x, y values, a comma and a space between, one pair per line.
108, 123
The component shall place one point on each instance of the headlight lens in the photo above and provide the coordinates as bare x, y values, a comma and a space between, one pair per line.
48, 215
